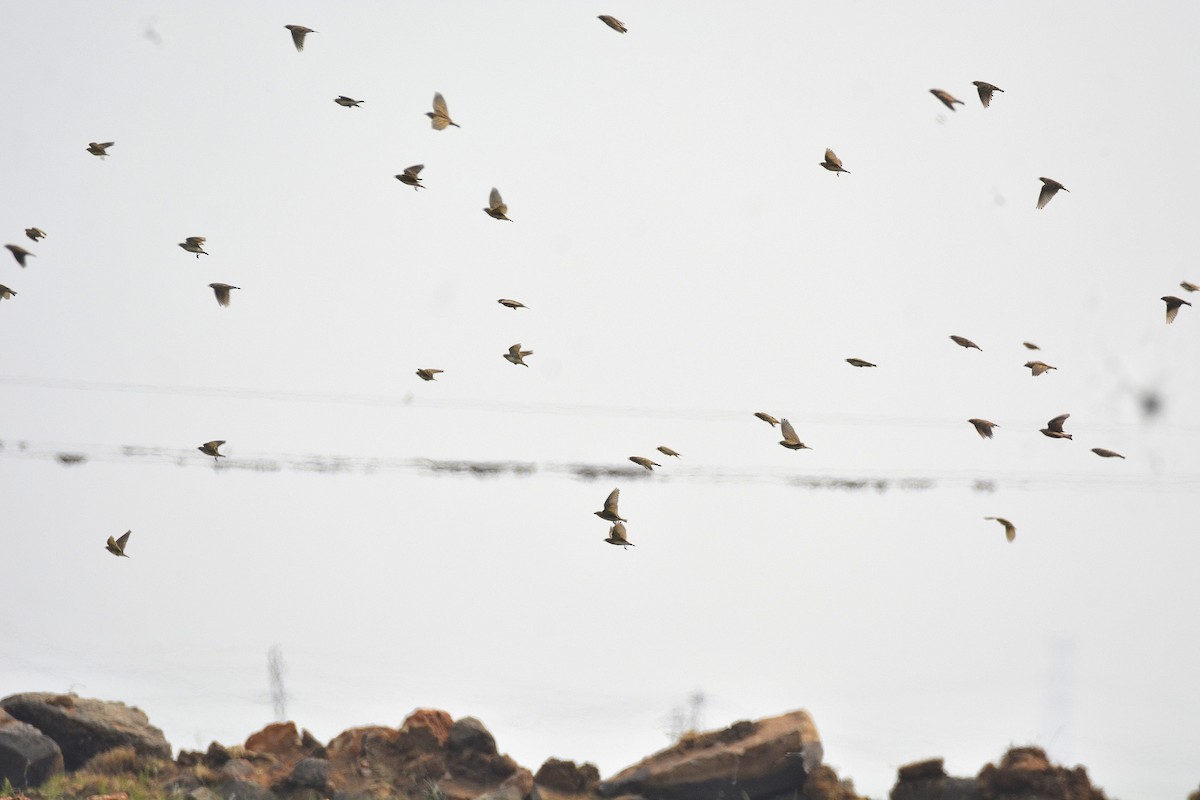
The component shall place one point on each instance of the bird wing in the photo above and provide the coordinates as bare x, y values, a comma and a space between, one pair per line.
515, 350
1045, 194
610, 503
414, 170
495, 201
1056, 424
121, 542
439, 105
789, 433
832, 158
298, 36
985, 92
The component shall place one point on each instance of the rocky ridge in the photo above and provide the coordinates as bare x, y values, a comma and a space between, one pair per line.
65, 747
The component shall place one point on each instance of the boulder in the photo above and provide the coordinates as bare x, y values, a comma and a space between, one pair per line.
927, 780
823, 784
761, 759
433, 720
238, 789
237, 768
28, 757
310, 773
1027, 772
83, 726
471, 755
563, 780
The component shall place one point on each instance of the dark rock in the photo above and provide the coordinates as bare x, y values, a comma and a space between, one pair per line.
1026, 772
564, 776
83, 727
823, 784
28, 757
433, 720
927, 780
922, 770
238, 789
312, 773
216, 755
762, 759
237, 768
468, 733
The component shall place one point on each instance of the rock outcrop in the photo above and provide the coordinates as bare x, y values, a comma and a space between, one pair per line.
563, 780
927, 780
1026, 772
762, 759
83, 727
28, 757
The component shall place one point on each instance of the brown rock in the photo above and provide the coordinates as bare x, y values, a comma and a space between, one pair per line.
922, 770
471, 755
436, 721
564, 776
927, 780
768, 757
823, 784
280, 739
83, 726
28, 757
1025, 772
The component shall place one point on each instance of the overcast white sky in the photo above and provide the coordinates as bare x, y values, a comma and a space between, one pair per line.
686, 263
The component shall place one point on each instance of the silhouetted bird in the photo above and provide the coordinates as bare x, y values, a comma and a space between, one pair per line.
985, 92
1038, 367
644, 462
858, 362
1054, 428
765, 417
1173, 304
1030, 346
790, 440
221, 290
1010, 530
516, 355
613, 23
19, 253
427, 374
496, 208
1191, 287
833, 163
983, 427
948, 100
1104, 452
963, 341
616, 535
348, 102
513, 304
298, 34
412, 176
666, 451
117, 546
35, 233
1050, 188
99, 148
211, 448
194, 244
6, 292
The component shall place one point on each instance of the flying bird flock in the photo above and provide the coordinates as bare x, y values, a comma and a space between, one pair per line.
497, 209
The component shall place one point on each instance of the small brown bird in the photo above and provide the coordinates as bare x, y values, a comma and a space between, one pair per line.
616, 535
412, 176
348, 102
427, 374
666, 451
1010, 530
440, 117
963, 341
513, 304
609, 512
211, 448
858, 362
985, 92
1030, 346
6, 292
644, 462
117, 546
948, 100
35, 233
1173, 303
613, 23
496, 208
1050, 188
832, 162
790, 440
516, 355
765, 417
221, 290
1104, 452
1191, 287
298, 34
983, 427
194, 244
1054, 428
19, 253
1038, 367
99, 148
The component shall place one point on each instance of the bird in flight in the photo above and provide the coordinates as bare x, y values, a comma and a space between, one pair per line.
1054, 428
983, 427
790, 440
516, 355
1030, 346
412, 176
1050, 188
428, 373
833, 163
641, 461
765, 417
985, 92
348, 102
1010, 530
1173, 303
666, 451
963, 341
1038, 367
194, 244
858, 362
19, 253
99, 148
1191, 287
221, 290
117, 546
513, 304
1104, 452
613, 23
35, 233
616, 535
609, 512
211, 448
496, 208
6, 292
298, 34
440, 117
948, 100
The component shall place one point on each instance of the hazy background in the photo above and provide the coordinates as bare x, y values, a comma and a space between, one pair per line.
686, 263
